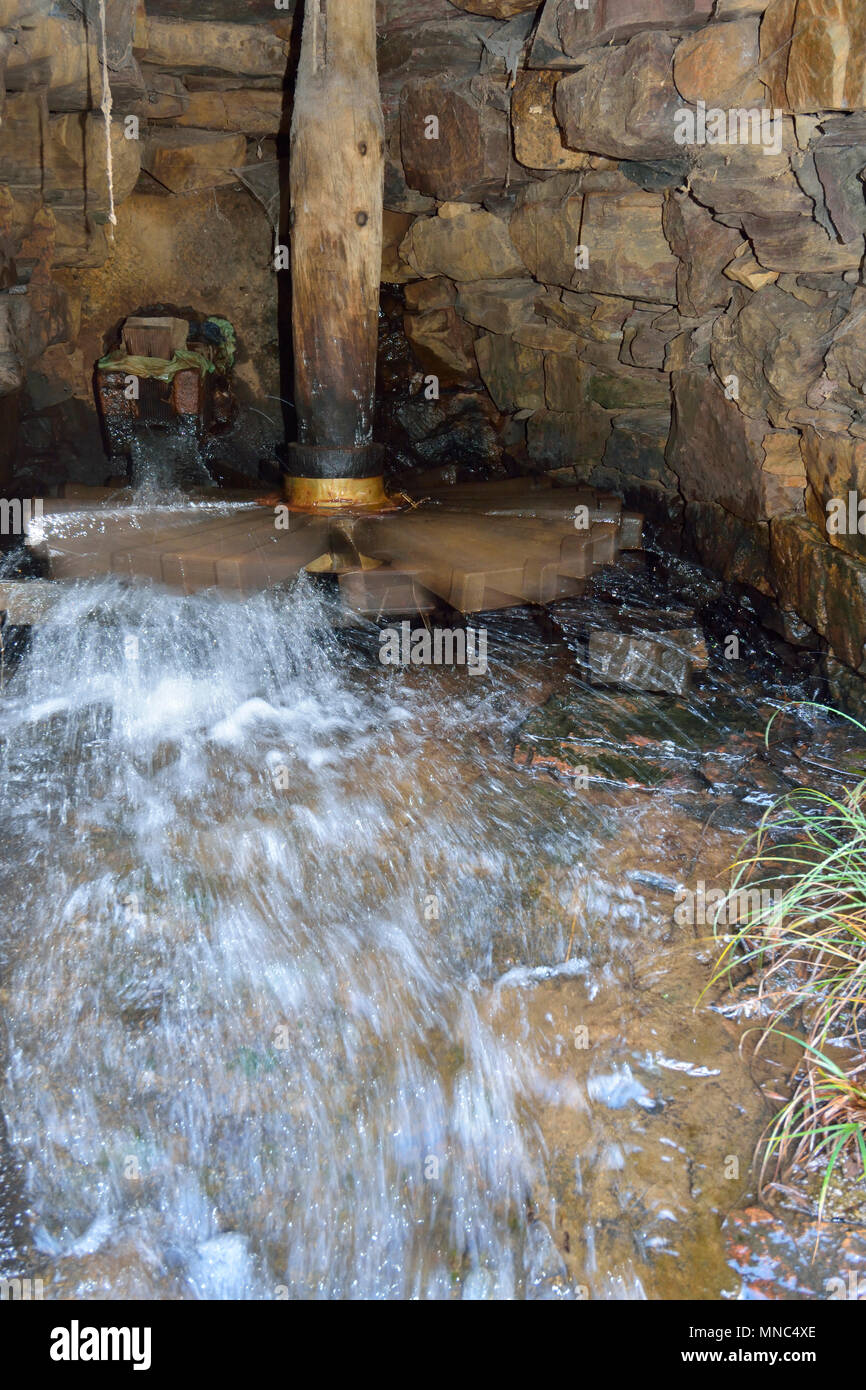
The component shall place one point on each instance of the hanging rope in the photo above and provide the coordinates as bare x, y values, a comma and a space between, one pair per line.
106, 111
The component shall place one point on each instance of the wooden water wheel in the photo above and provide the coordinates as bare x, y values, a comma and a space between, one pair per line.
475, 547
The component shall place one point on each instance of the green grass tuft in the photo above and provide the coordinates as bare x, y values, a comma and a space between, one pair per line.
804, 932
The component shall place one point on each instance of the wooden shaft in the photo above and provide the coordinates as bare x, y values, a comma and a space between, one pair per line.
337, 161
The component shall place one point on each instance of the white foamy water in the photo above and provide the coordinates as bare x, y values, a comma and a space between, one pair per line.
307, 991
244, 1056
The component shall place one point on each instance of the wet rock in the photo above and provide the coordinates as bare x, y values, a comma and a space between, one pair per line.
629, 389
623, 103
463, 243
496, 9
423, 419
772, 345
810, 67
25, 602
646, 335
782, 620
551, 743
723, 469
689, 583
395, 271
420, 417
824, 584
395, 365
736, 548
470, 153
795, 244
545, 228
538, 142
835, 464
628, 253
640, 663
222, 1268
444, 345
643, 648
719, 65
704, 247
566, 380
513, 374
126, 1267
567, 35
620, 603
500, 306
846, 690
468, 436
781, 1255
636, 447
559, 438
738, 179
639, 739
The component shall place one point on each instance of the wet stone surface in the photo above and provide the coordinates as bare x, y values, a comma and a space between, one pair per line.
705, 739
336, 994
791, 1256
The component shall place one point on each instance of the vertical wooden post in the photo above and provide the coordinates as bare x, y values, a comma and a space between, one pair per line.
337, 160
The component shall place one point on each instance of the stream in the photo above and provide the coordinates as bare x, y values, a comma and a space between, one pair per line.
312, 987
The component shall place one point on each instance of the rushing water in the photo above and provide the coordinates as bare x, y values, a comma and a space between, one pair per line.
294, 965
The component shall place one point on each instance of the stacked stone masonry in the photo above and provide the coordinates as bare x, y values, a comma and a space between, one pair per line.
624, 242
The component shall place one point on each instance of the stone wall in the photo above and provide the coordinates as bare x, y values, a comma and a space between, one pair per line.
624, 242
192, 105
656, 236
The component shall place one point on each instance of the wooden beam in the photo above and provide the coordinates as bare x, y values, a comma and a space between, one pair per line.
337, 161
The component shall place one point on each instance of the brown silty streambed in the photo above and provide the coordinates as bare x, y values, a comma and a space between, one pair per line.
322, 979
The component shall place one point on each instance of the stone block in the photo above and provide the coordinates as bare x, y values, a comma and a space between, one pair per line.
464, 243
